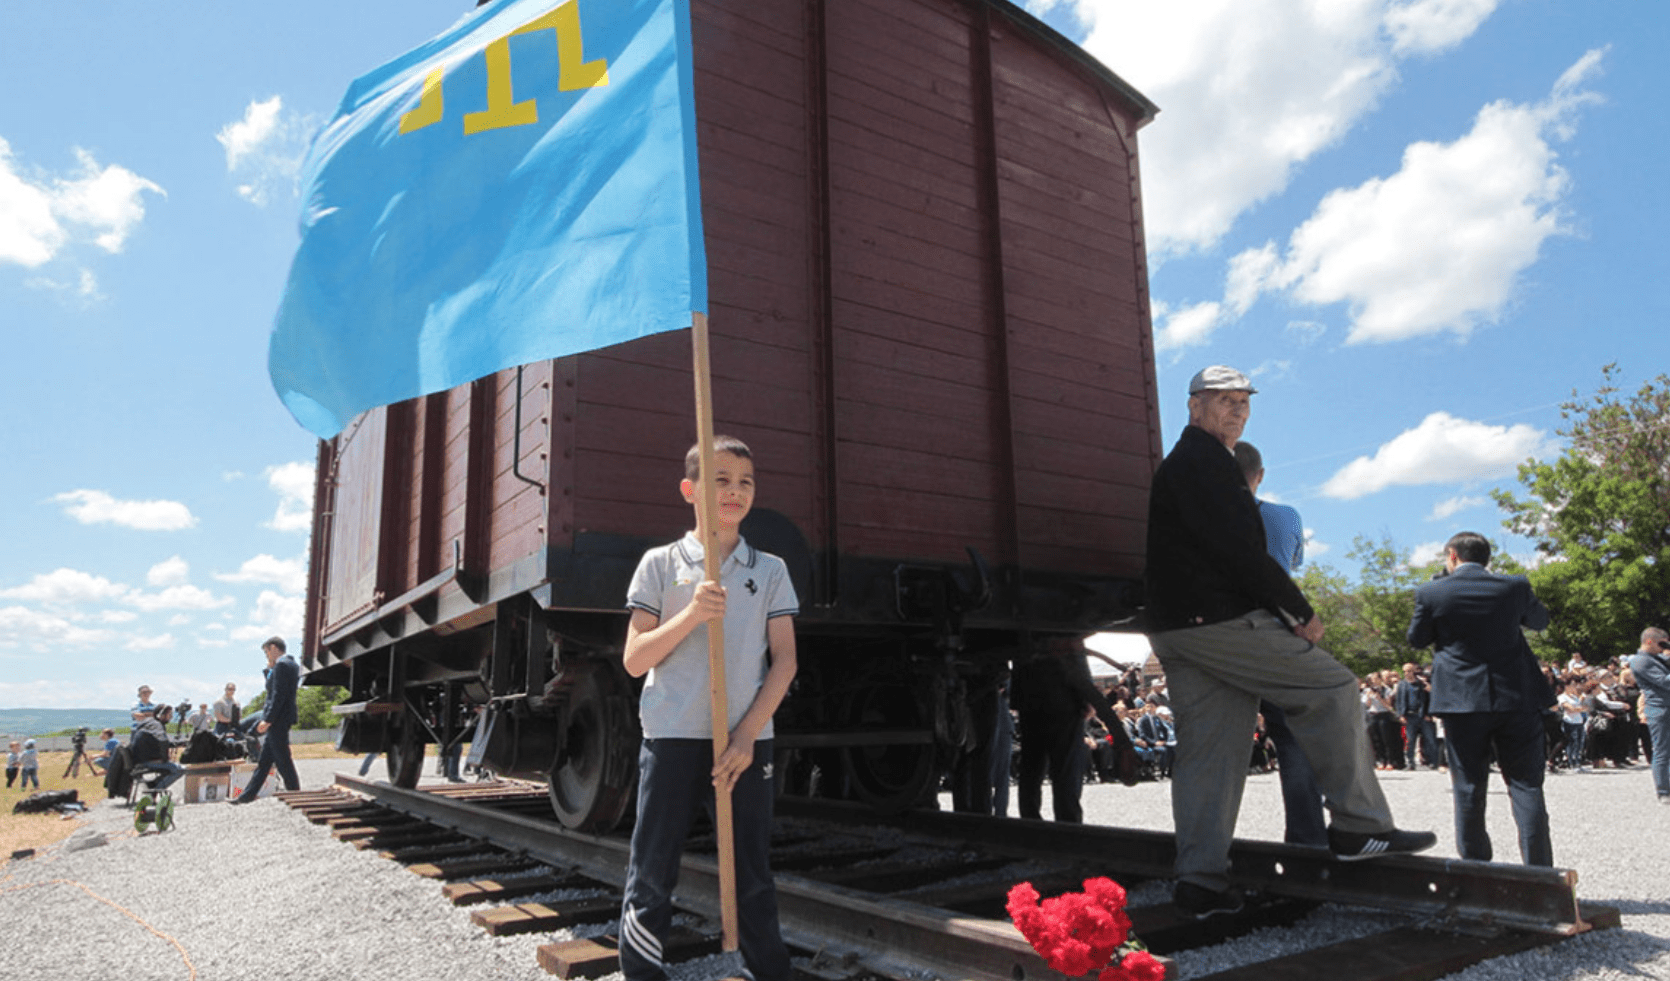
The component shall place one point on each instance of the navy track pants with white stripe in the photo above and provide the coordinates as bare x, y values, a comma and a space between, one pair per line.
674, 778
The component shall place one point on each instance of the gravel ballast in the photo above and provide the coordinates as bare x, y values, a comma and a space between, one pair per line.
258, 892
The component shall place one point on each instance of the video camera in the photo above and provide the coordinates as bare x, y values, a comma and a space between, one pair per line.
78, 739
183, 709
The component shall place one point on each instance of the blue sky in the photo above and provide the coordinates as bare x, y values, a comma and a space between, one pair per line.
1420, 225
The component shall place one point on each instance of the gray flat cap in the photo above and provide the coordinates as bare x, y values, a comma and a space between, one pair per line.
1220, 378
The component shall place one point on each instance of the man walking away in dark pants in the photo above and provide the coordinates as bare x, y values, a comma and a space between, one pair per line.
1489, 689
283, 676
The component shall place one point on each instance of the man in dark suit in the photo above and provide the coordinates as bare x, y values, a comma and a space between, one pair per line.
1489, 689
278, 715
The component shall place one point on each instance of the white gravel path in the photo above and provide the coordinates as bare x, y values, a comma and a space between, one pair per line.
257, 892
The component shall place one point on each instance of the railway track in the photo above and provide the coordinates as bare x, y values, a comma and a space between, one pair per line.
921, 894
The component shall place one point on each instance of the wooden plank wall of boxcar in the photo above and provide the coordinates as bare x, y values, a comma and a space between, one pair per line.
633, 402
923, 451
1079, 345
867, 359
420, 484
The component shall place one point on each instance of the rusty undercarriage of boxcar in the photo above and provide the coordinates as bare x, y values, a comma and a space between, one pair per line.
929, 313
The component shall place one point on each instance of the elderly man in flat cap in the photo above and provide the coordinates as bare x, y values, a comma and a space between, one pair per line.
1231, 628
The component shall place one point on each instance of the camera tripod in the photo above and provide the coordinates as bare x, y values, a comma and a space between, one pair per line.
75, 762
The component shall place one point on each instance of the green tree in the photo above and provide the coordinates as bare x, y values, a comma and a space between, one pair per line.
313, 706
1364, 624
1386, 597
1600, 517
1334, 598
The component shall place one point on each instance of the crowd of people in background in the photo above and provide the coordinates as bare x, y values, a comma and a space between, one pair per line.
1598, 721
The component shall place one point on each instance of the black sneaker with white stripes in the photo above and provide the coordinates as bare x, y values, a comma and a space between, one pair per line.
1202, 903
1348, 846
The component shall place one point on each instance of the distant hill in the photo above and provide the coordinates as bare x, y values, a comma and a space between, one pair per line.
24, 722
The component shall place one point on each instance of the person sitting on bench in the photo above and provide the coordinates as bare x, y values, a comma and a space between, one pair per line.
150, 748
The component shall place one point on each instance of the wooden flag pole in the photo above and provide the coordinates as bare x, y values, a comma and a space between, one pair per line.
708, 493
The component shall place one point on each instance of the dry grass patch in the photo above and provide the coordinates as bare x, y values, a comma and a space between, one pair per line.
39, 830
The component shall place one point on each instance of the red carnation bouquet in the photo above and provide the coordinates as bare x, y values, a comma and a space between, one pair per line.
1079, 932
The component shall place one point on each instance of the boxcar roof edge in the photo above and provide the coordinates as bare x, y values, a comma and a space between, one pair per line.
1145, 108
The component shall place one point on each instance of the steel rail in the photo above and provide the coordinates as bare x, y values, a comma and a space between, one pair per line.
894, 938
1542, 900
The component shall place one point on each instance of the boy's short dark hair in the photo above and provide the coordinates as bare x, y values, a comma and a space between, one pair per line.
277, 642
721, 444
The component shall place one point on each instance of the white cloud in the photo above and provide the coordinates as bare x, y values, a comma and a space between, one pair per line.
1424, 553
264, 149
274, 615
29, 232
1188, 327
117, 616
1306, 331
82, 287
289, 575
1440, 245
1251, 89
176, 598
293, 482
244, 137
1314, 549
67, 587
97, 507
1455, 505
1441, 450
105, 690
21, 626
107, 200
157, 643
1430, 26
41, 214
169, 572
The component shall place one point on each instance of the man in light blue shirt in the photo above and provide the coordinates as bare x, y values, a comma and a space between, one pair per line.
1284, 539
1284, 533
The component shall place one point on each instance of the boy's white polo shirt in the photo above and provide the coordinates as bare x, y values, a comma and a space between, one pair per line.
675, 702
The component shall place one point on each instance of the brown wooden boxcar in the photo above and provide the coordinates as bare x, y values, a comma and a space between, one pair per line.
930, 321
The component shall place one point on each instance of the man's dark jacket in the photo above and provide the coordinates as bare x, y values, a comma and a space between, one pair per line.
1206, 557
282, 680
1481, 662
1412, 698
150, 741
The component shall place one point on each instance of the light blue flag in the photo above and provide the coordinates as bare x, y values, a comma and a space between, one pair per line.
522, 187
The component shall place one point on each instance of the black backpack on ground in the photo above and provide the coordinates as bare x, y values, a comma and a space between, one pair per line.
205, 747
42, 801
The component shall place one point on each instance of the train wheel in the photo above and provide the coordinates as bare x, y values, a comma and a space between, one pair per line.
888, 778
405, 752
595, 773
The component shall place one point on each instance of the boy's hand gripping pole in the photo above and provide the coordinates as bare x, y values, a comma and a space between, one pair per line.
708, 495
